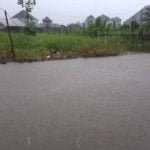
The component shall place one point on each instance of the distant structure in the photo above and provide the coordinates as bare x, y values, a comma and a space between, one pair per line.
74, 26
1, 24
48, 26
14, 24
18, 21
113, 22
116, 22
89, 20
104, 18
140, 17
47, 21
22, 16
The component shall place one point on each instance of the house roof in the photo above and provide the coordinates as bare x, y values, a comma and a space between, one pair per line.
23, 14
13, 22
90, 17
47, 20
148, 6
105, 17
132, 17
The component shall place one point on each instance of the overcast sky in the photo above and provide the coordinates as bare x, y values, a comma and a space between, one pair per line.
68, 11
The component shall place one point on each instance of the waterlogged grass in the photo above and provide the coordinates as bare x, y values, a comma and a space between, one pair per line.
57, 46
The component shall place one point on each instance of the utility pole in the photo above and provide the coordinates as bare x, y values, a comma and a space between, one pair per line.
9, 34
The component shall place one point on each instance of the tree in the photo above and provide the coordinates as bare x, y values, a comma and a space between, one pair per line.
28, 5
146, 27
134, 25
124, 28
91, 30
100, 26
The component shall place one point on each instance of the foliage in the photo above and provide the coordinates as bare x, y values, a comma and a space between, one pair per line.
43, 45
100, 26
27, 4
97, 28
124, 27
30, 30
134, 25
146, 27
91, 30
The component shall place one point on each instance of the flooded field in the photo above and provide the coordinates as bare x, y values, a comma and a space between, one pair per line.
80, 104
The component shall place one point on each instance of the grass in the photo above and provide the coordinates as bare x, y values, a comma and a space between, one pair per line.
56, 46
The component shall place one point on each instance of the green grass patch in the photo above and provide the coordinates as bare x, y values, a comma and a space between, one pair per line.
57, 46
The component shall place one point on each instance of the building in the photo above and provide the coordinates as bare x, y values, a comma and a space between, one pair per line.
141, 17
2, 24
48, 26
75, 26
89, 20
23, 15
18, 21
113, 22
47, 21
104, 18
116, 22
14, 24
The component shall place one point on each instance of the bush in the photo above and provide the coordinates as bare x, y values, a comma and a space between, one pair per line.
30, 30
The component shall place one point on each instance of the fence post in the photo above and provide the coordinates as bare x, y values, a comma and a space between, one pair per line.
10, 37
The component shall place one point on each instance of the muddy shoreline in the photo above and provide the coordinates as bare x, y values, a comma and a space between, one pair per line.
55, 57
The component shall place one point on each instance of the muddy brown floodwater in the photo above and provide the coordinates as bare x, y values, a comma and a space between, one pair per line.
80, 104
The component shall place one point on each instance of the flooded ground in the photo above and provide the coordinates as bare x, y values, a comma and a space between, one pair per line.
81, 104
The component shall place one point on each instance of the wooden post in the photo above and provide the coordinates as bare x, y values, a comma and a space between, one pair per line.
10, 37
